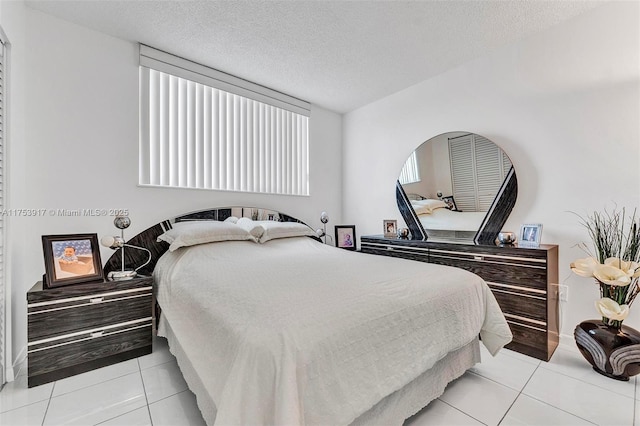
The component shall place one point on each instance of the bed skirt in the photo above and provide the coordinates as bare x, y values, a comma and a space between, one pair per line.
391, 410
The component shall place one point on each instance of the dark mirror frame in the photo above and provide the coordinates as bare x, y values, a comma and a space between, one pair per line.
492, 223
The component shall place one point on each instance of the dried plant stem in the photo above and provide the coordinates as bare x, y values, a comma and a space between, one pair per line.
614, 235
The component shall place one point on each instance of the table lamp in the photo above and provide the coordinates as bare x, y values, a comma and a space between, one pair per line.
118, 242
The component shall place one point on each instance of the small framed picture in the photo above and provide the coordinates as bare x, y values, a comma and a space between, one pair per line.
450, 202
71, 259
346, 237
390, 228
530, 235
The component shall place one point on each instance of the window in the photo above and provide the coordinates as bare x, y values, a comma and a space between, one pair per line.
410, 173
200, 128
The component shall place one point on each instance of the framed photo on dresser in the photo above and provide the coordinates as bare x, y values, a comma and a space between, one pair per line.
530, 235
71, 259
390, 228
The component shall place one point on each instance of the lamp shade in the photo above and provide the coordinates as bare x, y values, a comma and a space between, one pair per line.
324, 217
112, 242
122, 222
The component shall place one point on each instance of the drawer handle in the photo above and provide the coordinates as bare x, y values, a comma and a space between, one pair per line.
478, 258
96, 300
97, 334
389, 248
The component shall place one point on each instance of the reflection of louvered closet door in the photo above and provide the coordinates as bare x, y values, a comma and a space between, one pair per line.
2, 145
478, 168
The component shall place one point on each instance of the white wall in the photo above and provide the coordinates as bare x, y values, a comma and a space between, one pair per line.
563, 104
79, 150
12, 19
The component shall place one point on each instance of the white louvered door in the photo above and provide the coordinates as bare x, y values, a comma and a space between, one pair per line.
3, 321
478, 168
463, 173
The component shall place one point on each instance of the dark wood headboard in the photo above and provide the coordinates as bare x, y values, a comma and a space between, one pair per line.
149, 237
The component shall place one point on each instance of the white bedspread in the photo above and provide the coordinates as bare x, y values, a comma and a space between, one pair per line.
296, 332
447, 220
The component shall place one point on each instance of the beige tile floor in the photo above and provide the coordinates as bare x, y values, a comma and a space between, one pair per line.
510, 389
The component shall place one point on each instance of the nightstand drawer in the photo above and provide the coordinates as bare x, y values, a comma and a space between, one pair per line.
57, 318
50, 359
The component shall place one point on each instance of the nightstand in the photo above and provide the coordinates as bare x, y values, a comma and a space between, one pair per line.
82, 327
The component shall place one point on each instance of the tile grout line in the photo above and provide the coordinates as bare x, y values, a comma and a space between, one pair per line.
94, 384
635, 401
497, 382
560, 409
546, 403
518, 396
178, 393
588, 383
457, 409
46, 410
135, 409
144, 388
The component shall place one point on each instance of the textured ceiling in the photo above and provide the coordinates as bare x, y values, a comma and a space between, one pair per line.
337, 54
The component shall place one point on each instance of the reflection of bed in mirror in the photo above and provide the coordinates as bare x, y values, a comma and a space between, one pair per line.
464, 167
440, 221
292, 331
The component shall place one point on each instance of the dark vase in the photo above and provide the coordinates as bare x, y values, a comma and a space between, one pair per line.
612, 351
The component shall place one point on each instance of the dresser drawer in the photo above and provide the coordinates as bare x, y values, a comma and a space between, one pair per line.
528, 339
520, 272
63, 316
49, 355
521, 279
521, 301
412, 253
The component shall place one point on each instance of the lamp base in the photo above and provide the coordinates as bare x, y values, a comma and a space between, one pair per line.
121, 275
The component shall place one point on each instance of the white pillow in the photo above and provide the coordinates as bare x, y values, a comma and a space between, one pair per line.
253, 227
186, 234
427, 206
273, 230
231, 219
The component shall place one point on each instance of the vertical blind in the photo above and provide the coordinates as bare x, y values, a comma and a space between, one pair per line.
410, 172
194, 134
2, 204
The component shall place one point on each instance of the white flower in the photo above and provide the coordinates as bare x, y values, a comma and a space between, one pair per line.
611, 275
584, 267
609, 308
632, 269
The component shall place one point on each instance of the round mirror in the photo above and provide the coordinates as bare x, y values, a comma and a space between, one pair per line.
457, 186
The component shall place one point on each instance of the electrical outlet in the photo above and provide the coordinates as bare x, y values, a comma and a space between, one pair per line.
564, 293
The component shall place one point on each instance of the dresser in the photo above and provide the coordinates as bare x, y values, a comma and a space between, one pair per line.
524, 281
77, 328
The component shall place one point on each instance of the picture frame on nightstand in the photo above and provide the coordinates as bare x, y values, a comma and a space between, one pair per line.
346, 237
451, 203
71, 259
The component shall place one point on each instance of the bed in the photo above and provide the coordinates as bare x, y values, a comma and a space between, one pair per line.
287, 330
434, 215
